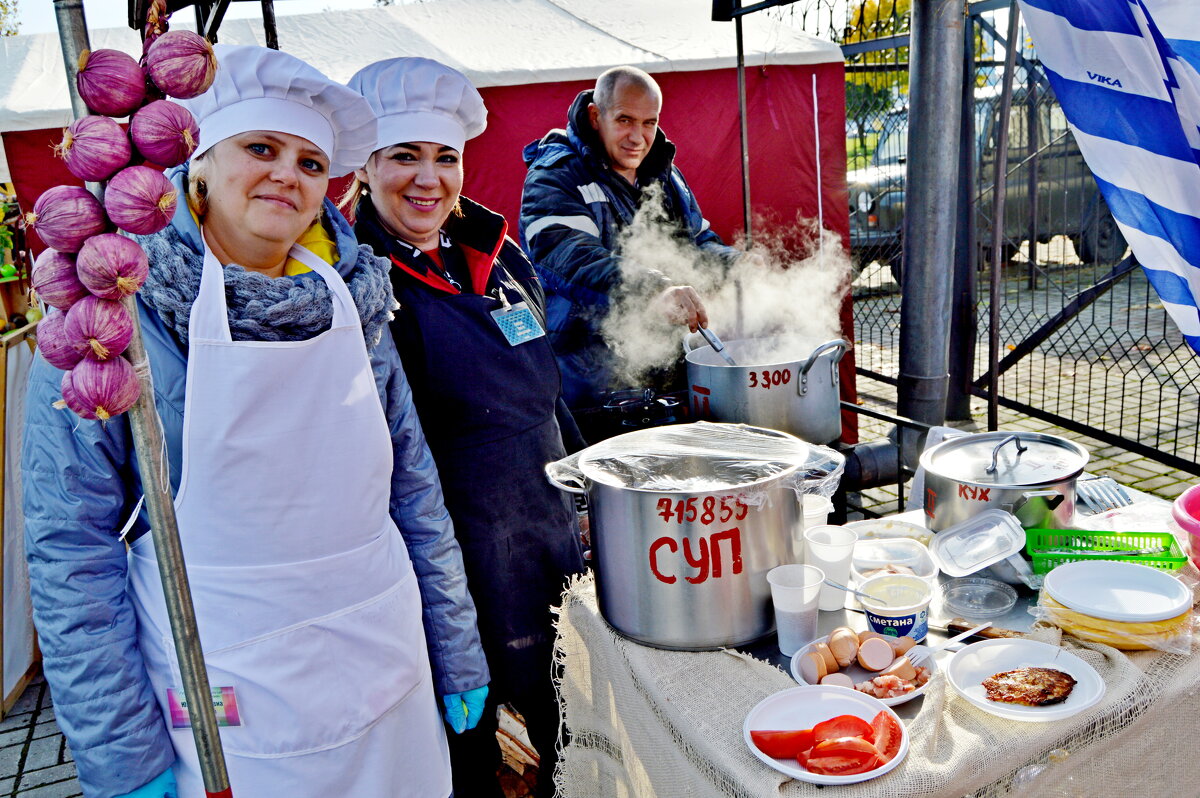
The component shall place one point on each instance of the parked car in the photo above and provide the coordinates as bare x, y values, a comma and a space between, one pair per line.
1068, 200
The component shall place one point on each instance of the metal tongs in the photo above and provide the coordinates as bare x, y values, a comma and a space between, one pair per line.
716, 344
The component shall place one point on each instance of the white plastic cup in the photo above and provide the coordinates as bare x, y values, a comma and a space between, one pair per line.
816, 510
794, 593
831, 548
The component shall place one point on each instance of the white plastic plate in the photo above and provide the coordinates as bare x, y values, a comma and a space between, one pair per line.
970, 666
1118, 591
860, 674
805, 707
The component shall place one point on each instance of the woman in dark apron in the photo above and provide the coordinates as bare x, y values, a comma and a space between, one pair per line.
470, 331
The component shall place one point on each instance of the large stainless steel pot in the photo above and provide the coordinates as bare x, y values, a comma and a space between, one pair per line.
780, 383
686, 521
1029, 474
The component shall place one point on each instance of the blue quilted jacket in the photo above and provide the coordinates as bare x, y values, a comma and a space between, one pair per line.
81, 483
573, 207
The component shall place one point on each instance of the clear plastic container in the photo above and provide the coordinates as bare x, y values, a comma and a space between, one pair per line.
976, 597
891, 555
989, 537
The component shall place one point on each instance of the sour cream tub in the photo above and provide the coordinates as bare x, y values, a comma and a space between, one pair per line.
901, 605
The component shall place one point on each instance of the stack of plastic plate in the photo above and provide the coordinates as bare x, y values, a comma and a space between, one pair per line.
1121, 604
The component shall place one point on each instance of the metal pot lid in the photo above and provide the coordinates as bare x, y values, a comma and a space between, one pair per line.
698, 458
1007, 458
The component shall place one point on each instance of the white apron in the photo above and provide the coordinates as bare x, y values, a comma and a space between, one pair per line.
306, 601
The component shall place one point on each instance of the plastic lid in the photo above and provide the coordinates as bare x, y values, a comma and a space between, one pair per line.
976, 543
976, 597
696, 457
1021, 458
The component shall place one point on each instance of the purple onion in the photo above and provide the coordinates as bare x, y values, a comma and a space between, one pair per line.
53, 343
110, 82
55, 280
101, 389
94, 148
66, 216
99, 328
164, 132
181, 63
140, 200
112, 266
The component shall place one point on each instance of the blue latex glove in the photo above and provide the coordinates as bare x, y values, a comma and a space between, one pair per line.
463, 710
161, 787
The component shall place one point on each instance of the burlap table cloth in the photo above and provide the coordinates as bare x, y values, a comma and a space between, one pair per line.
649, 723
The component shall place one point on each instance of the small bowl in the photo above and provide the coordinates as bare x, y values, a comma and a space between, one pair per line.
976, 597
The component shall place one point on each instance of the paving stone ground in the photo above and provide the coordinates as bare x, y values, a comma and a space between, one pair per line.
35, 761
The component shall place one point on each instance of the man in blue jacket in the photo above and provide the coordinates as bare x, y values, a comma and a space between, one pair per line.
584, 185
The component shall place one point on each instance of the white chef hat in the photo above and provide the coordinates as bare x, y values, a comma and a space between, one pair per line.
419, 99
257, 88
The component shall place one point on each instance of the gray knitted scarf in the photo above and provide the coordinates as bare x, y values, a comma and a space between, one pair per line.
261, 308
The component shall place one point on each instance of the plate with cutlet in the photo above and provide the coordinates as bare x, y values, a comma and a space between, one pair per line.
1024, 679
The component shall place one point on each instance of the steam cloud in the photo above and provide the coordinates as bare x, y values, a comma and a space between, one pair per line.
783, 293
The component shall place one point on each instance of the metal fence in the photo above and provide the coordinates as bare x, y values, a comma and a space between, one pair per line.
1083, 340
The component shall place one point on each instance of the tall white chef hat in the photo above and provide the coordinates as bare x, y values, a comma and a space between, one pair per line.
419, 99
257, 88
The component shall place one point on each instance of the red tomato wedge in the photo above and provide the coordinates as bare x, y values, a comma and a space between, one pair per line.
842, 756
843, 726
783, 744
887, 735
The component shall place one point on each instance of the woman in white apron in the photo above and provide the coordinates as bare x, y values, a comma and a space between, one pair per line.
322, 562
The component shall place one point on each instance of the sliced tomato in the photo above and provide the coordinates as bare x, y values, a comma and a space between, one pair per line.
843, 756
887, 735
843, 726
783, 744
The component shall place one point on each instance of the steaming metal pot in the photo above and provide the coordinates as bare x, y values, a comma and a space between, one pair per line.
686, 520
790, 392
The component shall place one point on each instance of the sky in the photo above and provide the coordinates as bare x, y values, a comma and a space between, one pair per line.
37, 16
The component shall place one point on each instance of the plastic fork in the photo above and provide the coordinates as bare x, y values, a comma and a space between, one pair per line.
1102, 493
919, 656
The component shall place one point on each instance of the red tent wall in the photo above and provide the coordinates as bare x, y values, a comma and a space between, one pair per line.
700, 115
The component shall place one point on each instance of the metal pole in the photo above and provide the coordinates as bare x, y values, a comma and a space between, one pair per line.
1031, 182
962, 320
745, 135
151, 450
741, 78
269, 29
999, 188
930, 216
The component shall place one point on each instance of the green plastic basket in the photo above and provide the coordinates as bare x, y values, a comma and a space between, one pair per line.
1170, 560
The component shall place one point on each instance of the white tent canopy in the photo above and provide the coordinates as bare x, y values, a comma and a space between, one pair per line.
494, 42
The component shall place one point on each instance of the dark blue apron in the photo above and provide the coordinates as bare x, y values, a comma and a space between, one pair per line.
488, 411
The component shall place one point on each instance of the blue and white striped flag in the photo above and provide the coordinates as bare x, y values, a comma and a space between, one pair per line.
1126, 74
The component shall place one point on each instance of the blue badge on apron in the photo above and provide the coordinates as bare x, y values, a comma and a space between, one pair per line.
518, 323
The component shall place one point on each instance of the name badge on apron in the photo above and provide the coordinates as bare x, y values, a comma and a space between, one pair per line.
224, 702
518, 323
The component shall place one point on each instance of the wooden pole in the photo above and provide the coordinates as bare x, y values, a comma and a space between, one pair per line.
156, 485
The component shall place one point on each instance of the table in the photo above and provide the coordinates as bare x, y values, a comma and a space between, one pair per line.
649, 723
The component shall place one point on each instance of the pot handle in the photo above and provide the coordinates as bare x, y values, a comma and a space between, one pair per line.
565, 475
802, 373
839, 344
996, 452
693, 341
1053, 499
